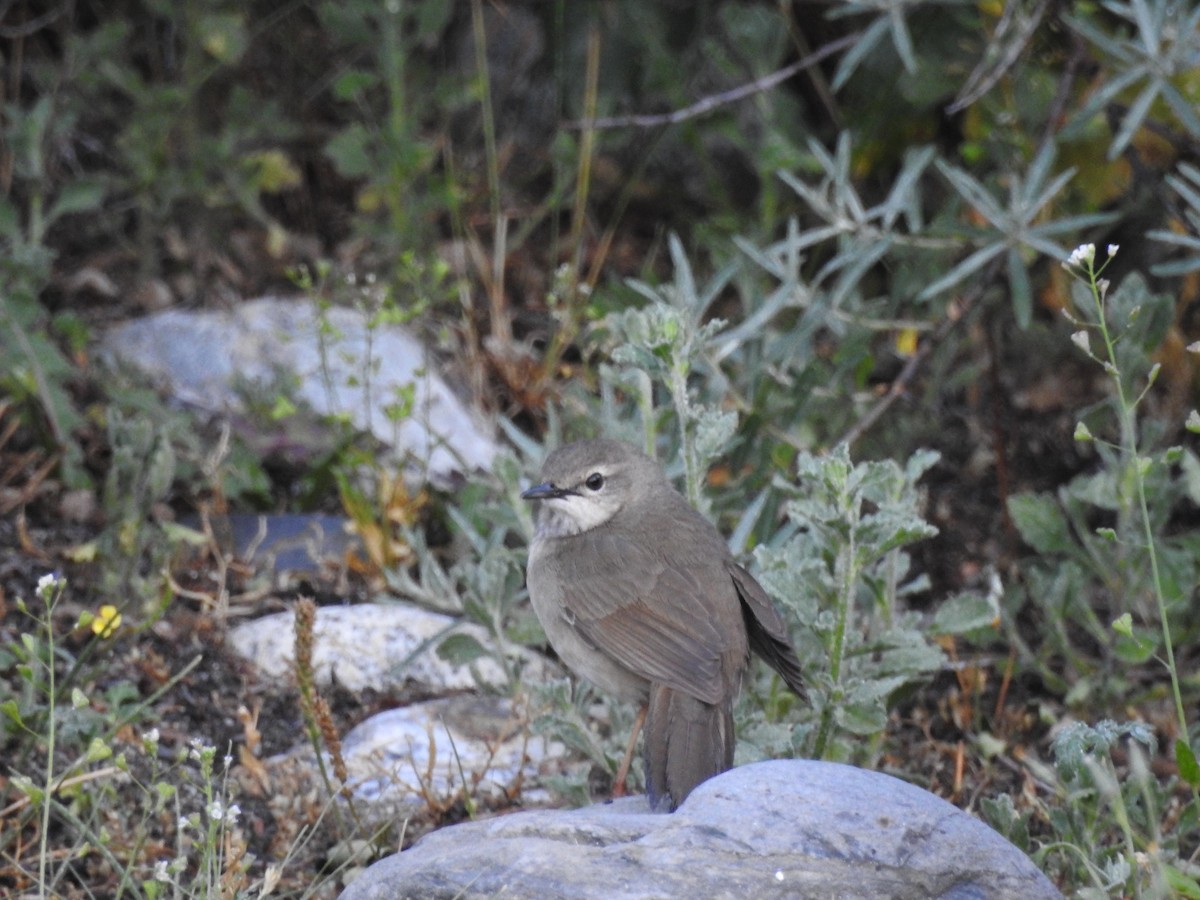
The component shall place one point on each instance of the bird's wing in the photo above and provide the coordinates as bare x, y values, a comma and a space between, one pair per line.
766, 629
674, 625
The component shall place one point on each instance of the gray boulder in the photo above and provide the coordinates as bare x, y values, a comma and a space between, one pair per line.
794, 828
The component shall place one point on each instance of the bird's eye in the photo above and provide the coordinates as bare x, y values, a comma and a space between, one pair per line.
595, 481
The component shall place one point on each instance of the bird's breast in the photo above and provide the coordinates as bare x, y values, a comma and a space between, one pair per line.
549, 593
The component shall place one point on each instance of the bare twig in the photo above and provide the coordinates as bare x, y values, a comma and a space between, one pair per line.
25, 29
717, 100
816, 77
27, 492
1065, 84
62, 785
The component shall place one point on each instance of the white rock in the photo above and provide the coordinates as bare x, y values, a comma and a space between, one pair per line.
366, 646
406, 757
201, 358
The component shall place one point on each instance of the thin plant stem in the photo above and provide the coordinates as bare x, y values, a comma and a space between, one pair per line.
574, 297
51, 732
501, 327
1129, 447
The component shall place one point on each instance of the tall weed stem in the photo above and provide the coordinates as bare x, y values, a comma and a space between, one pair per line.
1082, 264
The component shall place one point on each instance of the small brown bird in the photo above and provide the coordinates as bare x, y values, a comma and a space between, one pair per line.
639, 594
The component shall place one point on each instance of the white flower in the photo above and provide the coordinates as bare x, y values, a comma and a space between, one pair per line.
218, 812
162, 871
1112, 249
197, 749
48, 584
1083, 256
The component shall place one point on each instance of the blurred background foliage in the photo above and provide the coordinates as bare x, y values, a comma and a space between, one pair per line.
737, 231
934, 154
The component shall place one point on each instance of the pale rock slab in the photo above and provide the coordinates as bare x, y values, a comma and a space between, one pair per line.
795, 828
379, 646
322, 358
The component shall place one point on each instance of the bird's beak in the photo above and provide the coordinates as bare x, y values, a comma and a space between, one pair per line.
544, 491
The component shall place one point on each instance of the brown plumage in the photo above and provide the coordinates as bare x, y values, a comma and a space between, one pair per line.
638, 593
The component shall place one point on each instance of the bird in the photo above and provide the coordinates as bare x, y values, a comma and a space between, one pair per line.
639, 594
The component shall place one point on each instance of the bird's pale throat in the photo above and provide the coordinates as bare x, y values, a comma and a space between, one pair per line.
565, 516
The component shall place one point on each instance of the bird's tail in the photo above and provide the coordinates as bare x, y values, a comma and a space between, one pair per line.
687, 741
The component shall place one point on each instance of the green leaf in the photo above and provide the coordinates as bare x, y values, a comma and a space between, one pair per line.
965, 613
856, 54
98, 750
11, 710
862, 718
967, 267
77, 197
1190, 466
1123, 625
461, 649
1181, 884
1185, 759
1001, 813
1020, 288
353, 83
1041, 522
25, 785
921, 461
1136, 647
349, 151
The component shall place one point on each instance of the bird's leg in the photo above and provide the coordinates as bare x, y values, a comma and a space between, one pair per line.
618, 789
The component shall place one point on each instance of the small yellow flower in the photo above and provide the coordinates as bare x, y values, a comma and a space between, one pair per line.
906, 341
107, 621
